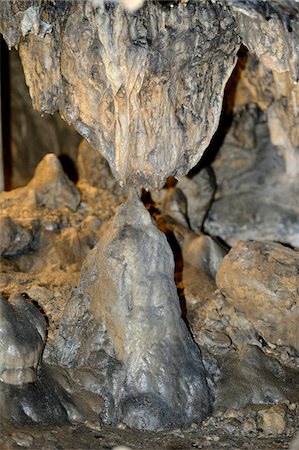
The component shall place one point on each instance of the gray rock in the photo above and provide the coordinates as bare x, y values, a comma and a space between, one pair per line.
270, 30
93, 169
125, 322
28, 394
199, 191
22, 341
202, 257
248, 377
295, 443
51, 188
260, 280
14, 238
187, 203
257, 195
145, 89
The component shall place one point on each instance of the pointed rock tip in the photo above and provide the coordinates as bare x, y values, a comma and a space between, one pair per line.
132, 212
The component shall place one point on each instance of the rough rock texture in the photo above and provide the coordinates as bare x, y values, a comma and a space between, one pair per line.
14, 238
51, 188
256, 196
28, 130
249, 377
45, 234
270, 30
127, 323
27, 394
144, 89
94, 171
202, 256
187, 202
257, 166
23, 330
261, 281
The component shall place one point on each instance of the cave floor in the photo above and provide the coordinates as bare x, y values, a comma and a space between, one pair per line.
95, 436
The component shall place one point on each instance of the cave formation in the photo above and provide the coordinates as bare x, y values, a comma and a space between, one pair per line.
160, 291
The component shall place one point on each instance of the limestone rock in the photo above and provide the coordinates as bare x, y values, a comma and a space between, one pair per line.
202, 257
248, 377
295, 443
187, 202
28, 393
22, 341
145, 89
14, 238
50, 186
261, 281
33, 136
199, 191
94, 170
273, 420
257, 187
270, 30
125, 322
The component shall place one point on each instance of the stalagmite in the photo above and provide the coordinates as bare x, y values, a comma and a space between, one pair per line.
125, 323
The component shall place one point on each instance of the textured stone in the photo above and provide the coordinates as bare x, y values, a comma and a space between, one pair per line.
145, 89
261, 281
14, 238
249, 377
94, 170
33, 136
22, 340
202, 256
125, 320
187, 202
51, 188
270, 30
273, 420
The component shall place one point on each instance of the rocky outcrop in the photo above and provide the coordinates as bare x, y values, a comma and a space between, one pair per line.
257, 189
23, 330
125, 322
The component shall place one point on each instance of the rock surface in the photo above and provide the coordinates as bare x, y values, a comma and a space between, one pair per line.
127, 322
144, 89
23, 330
27, 130
257, 166
261, 281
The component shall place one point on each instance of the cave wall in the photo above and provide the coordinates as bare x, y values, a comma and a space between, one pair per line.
29, 135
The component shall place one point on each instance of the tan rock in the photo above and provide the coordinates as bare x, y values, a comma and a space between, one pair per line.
260, 279
273, 420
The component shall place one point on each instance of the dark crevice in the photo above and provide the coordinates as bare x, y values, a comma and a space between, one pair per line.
5, 112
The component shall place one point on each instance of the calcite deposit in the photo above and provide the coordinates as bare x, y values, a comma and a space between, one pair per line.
126, 324
93, 331
137, 87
